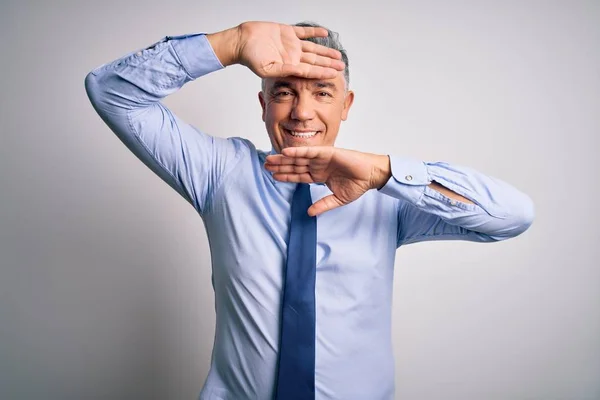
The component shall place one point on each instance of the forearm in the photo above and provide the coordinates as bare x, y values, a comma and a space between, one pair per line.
143, 78
459, 195
383, 174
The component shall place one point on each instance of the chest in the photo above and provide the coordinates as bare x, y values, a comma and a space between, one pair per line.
248, 229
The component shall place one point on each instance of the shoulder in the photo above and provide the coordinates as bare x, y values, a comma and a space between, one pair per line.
236, 147
241, 151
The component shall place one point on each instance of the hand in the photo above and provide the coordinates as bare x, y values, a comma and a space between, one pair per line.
276, 50
347, 173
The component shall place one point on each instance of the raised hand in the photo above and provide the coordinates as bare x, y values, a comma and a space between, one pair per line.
276, 50
347, 173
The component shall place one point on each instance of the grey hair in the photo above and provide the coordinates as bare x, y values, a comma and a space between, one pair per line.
332, 41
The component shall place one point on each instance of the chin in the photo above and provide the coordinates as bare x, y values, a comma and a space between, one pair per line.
302, 143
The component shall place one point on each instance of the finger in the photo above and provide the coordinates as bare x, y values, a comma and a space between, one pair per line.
281, 159
297, 169
322, 61
303, 70
296, 178
304, 32
325, 204
304, 152
310, 47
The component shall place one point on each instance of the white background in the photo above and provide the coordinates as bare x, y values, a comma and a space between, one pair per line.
105, 286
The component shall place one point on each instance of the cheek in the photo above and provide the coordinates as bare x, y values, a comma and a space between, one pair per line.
276, 112
332, 115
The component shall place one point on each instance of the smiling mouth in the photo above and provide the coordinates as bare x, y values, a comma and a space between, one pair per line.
302, 134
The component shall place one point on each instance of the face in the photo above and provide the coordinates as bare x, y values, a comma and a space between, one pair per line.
304, 112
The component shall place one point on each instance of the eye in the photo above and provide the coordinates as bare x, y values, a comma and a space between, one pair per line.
324, 94
283, 93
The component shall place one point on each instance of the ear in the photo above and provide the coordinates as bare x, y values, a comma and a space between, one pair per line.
261, 99
347, 104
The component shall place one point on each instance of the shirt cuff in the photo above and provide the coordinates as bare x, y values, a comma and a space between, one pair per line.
408, 181
196, 54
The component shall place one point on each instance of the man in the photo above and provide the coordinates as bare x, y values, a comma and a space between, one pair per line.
302, 238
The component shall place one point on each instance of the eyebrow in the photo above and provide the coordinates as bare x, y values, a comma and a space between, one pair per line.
286, 84
322, 84
280, 84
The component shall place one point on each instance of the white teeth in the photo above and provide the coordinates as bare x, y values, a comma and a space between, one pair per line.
303, 134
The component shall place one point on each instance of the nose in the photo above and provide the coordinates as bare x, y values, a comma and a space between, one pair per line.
303, 108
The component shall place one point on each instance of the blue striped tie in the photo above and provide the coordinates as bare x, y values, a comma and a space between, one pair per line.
296, 376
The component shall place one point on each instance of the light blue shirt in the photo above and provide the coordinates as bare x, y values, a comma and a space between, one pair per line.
247, 214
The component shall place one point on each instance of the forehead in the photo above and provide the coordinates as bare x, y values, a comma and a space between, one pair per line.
297, 83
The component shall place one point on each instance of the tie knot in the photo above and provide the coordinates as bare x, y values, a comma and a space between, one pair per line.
302, 186
302, 199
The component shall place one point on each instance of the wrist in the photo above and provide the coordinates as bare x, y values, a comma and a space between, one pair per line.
382, 171
225, 44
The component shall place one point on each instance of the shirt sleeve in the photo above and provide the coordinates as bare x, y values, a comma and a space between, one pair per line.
500, 210
127, 94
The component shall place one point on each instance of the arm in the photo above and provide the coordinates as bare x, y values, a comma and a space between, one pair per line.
126, 94
440, 201
436, 200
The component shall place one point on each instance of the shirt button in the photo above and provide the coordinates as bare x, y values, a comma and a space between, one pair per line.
453, 202
408, 177
139, 53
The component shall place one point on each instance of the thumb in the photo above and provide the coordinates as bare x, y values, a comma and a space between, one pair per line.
325, 204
